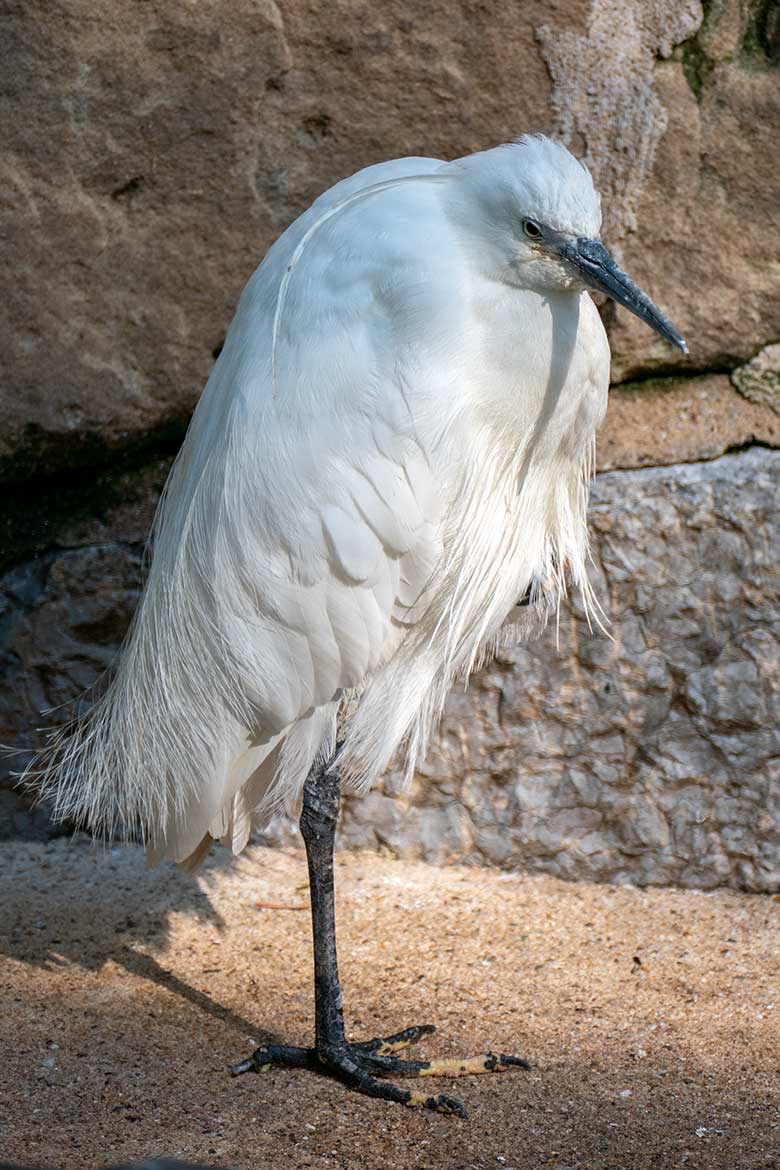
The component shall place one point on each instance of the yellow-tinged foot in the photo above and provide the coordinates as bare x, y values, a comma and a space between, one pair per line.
486, 1062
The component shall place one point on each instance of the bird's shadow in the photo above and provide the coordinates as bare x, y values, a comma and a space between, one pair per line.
116, 911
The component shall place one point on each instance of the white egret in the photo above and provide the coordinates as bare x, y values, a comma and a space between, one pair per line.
386, 476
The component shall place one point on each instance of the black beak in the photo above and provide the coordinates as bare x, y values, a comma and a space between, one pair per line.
599, 271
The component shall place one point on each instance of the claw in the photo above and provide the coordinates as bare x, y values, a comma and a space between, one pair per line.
439, 1104
507, 1061
286, 1055
254, 1063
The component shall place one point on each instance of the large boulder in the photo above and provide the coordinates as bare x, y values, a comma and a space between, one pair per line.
151, 156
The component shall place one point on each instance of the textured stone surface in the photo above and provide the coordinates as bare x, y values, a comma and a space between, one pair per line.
759, 380
63, 616
650, 757
604, 92
681, 420
65, 605
713, 204
152, 153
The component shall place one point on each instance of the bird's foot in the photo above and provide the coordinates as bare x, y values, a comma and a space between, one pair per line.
361, 1065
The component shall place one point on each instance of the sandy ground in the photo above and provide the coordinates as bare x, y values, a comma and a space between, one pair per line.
650, 1016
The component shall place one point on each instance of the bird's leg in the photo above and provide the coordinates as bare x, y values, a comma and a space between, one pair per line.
321, 803
352, 1064
358, 1064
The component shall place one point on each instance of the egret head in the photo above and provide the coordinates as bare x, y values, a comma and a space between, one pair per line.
540, 217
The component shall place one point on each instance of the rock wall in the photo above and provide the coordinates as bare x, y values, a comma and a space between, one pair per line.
650, 755
153, 153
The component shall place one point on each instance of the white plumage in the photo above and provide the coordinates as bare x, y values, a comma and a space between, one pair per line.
393, 448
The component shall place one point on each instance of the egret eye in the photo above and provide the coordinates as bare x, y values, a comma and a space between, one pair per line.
532, 229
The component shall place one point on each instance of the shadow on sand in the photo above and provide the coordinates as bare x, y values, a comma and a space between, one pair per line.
119, 912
